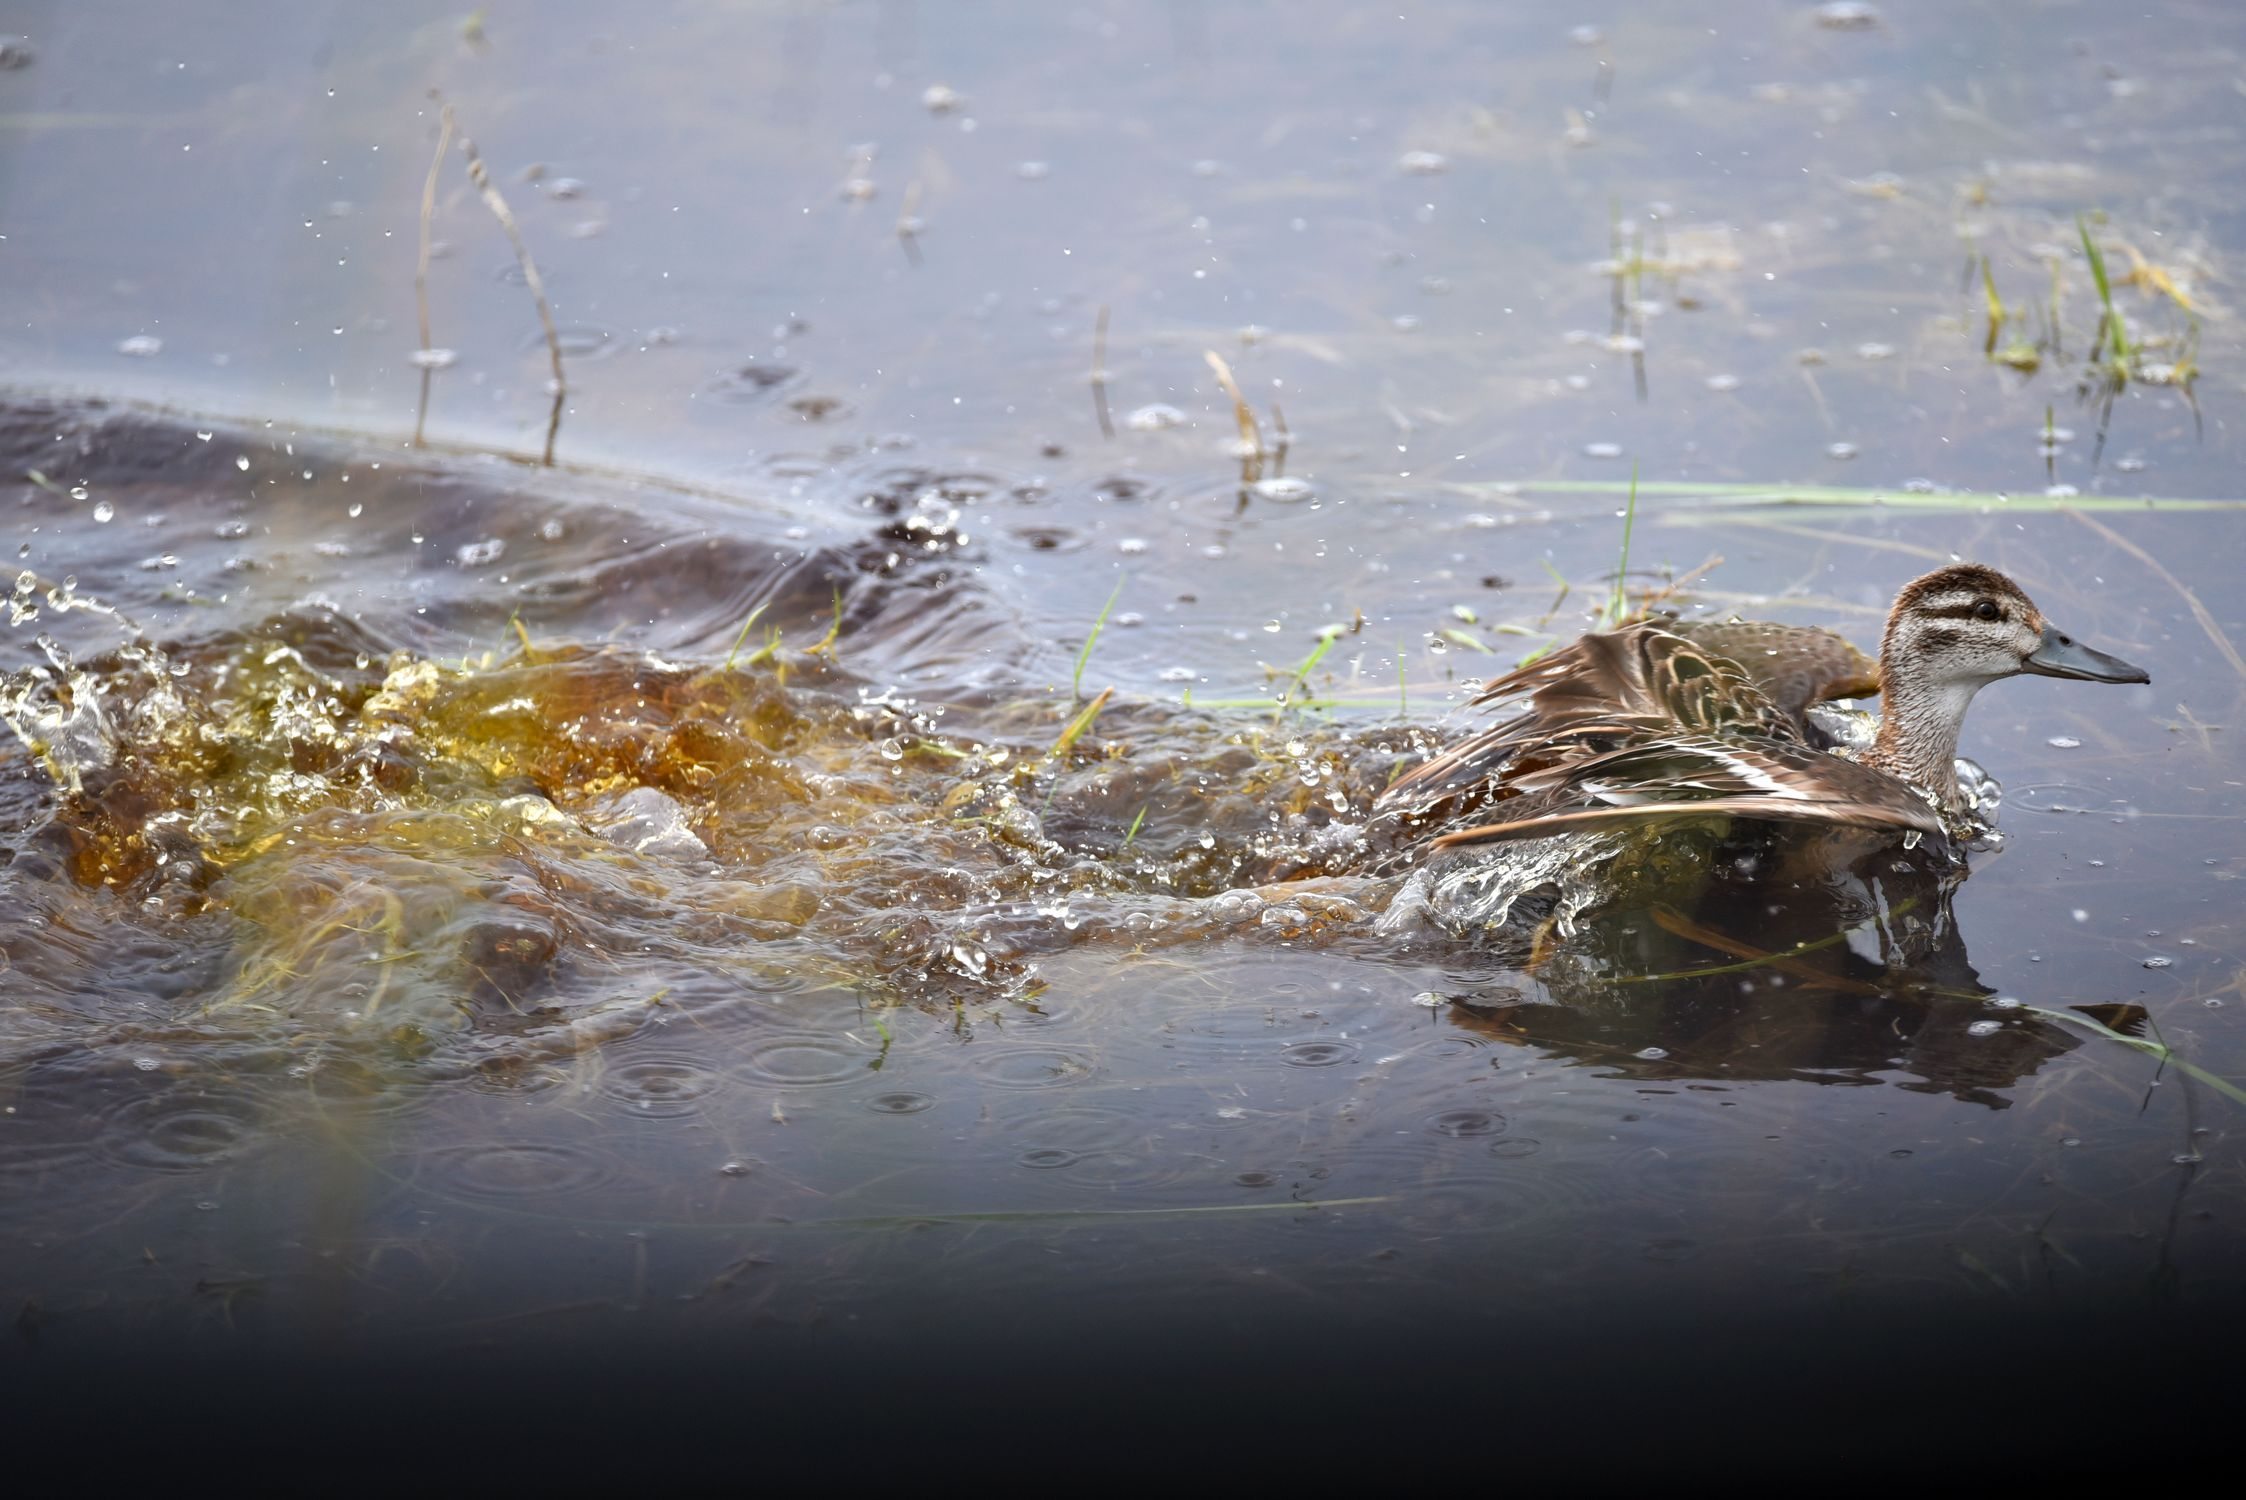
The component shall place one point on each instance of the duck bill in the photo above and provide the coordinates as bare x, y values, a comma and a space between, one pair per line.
2064, 656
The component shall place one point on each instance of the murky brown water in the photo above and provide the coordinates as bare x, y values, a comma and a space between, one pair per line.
437, 926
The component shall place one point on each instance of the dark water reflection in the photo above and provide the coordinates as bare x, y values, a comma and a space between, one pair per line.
633, 918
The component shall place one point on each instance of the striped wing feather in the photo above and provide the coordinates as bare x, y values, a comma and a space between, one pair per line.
1643, 723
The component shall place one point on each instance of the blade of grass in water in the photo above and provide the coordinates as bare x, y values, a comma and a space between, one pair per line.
1078, 725
746, 626
1618, 602
1746, 495
2161, 1050
1302, 673
1076, 683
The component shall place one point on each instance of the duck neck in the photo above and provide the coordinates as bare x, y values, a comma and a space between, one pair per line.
1919, 729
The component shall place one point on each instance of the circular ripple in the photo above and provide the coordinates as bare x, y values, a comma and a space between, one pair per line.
1032, 1068
520, 1169
1050, 538
170, 1134
1453, 1044
1048, 1158
1136, 1169
1513, 1148
660, 1088
802, 1060
1319, 1054
900, 1102
580, 341
1467, 1122
750, 383
30, 1155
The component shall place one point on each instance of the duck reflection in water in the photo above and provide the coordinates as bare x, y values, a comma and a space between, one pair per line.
1851, 976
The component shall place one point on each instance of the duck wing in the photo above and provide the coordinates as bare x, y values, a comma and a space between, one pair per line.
1645, 722
1794, 665
1586, 699
1677, 775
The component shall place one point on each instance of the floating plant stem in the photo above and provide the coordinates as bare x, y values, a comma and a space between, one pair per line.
1132, 833
2199, 611
481, 177
428, 359
908, 222
2161, 1050
1099, 373
1948, 502
1251, 435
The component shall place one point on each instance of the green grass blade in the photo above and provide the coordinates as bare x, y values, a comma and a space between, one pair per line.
746, 626
1620, 598
1076, 683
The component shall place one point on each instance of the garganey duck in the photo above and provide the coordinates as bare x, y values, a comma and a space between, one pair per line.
1664, 718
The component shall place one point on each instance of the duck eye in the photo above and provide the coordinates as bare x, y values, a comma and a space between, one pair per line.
1987, 610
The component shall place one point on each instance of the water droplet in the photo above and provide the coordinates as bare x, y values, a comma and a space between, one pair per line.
1423, 163
2158, 963
1841, 450
141, 346
1652, 1054
104, 512
734, 1169
434, 359
243, 463
1602, 450
1984, 1028
2063, 742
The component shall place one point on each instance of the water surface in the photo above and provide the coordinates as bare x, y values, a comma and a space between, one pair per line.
632, 915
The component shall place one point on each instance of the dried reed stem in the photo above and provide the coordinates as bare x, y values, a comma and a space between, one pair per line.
481, 177
421, 273
1251, 435
1099, 373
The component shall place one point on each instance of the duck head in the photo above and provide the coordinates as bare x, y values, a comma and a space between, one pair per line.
1952, 633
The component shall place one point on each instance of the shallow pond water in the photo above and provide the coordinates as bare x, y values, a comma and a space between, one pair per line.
671, 911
